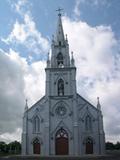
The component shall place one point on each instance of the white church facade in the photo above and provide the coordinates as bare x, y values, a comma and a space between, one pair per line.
62, 122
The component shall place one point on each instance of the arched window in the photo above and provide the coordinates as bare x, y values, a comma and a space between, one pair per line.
36, 124
88, 123
61, 133
60, 87
59, 59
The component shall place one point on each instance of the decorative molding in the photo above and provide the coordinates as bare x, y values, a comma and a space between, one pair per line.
61, 124
61, 97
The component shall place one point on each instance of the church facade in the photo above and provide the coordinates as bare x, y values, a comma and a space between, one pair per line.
62, 122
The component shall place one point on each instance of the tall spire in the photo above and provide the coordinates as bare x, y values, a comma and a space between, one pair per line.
60, 47
59, 38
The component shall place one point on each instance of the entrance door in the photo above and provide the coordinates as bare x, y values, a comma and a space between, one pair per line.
36, 146
89, 146
61, 142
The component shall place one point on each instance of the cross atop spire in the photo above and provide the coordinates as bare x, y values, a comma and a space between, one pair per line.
59, 32
59, 11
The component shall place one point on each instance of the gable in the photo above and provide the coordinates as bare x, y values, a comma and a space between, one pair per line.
83, 103
38, 105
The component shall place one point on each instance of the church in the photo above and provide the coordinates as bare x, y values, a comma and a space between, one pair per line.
62, 122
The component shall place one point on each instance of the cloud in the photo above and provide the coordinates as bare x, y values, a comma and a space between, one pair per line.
18, 81
27, 35
21, 6
94, 2
97, 58
15, 136
11, 95
77, 8
19, 78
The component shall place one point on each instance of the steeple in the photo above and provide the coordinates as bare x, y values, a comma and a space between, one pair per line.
60, 47
59, 37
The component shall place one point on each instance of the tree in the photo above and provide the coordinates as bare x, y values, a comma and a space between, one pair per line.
14, 147
109, 146
3, 147
117, 145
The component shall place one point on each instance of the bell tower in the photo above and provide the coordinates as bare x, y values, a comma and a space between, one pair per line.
60, 70
60, 48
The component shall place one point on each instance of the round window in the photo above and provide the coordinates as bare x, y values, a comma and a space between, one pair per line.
61, 111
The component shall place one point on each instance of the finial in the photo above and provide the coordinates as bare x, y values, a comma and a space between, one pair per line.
72, 59
48, 60
26, 105
66, 37
52, 38
98, 99
26, 100
72, 54
98, 103
59, 11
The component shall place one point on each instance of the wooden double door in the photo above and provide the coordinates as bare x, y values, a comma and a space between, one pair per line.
61, 142
89, 146
36, 147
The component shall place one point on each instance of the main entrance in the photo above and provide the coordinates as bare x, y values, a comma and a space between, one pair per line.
61, 142
89, 146
36, 146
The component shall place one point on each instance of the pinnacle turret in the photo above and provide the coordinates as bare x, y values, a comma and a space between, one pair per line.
98, 104
26, 105
72, 60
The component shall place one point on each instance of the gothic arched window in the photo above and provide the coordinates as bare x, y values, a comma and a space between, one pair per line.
88, 123
59, 59
61, 133
36, 124
60, 87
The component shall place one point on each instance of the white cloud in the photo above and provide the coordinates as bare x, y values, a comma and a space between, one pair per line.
35, 81
95, 2
18, 81
98, 69
27, 35
21, 6
77, 8
15, 136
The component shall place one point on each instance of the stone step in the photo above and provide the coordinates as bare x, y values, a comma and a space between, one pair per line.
90, 157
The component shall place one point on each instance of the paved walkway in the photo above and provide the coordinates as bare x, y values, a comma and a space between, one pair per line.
106, 157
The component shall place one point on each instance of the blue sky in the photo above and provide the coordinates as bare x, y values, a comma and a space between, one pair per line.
93, 12
26, 28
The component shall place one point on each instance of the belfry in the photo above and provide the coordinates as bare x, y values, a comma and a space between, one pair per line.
62, 122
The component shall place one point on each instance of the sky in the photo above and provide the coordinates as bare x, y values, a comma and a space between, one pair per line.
26, 29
